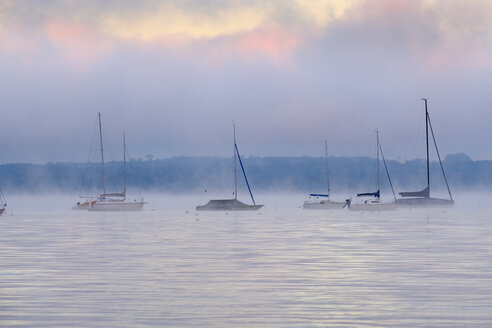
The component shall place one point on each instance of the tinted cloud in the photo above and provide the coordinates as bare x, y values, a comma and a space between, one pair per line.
292, 73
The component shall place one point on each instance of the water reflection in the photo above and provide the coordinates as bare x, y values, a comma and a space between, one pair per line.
270, 269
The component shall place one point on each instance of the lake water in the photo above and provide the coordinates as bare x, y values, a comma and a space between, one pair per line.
275, 268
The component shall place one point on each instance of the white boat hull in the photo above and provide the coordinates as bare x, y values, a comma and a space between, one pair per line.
116, 206
373, 206
323, 205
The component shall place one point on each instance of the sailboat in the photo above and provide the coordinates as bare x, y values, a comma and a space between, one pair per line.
422, 198
374, 202
322, 201
111, 201
232, 204
3, 202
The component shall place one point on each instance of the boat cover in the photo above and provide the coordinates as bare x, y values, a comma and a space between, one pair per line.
374, 194
319, 195
227, 205
423, 193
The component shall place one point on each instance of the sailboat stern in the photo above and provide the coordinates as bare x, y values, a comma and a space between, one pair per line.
424, 202
422, 199
422, 193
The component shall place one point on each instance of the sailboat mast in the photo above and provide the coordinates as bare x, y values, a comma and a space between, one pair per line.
439, 157
124, 165
235, 160
327, 171
427, 140
377, 153
102, 153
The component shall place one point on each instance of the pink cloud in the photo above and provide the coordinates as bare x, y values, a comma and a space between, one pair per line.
436, 38
273, 43
14, 41
79, 45
455, 54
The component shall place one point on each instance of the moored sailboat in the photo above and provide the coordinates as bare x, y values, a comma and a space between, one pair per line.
111, 201
372, 200
232, 204
323, 201
422, 198
3, 202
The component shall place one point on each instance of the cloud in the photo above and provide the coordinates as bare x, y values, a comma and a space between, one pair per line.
78, 28
292, 73
322, 12
171, 22
16, 42
78, 45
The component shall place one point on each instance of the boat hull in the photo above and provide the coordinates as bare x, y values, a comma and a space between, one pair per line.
116, 206
376, 207
227, 205
323, 205
424, 202
2, 210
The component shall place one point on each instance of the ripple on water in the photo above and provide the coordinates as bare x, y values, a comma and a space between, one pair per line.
274, 269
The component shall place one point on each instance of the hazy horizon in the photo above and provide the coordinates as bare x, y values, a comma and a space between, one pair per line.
146, 157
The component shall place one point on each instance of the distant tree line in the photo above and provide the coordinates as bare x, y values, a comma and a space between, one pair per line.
215, 174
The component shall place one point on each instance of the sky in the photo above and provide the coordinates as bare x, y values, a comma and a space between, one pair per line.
290, 73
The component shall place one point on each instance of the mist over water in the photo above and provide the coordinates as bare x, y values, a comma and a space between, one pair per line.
174, 75
158, 201
279, 267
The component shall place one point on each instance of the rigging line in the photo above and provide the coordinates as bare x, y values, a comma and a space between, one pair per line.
327, 168
130, 168
2, 198
110, 161
244, 173
107, 149
235, 161
413, 139
372, 177
420, 132
88, 158
124, 162
387, 171
439, 157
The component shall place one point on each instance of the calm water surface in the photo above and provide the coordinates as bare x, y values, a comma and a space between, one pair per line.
276, 268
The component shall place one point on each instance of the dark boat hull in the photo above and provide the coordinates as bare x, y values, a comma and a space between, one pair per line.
2, 210
424, 202
227, 205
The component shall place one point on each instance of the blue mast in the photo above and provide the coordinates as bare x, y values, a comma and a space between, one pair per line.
242, 168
